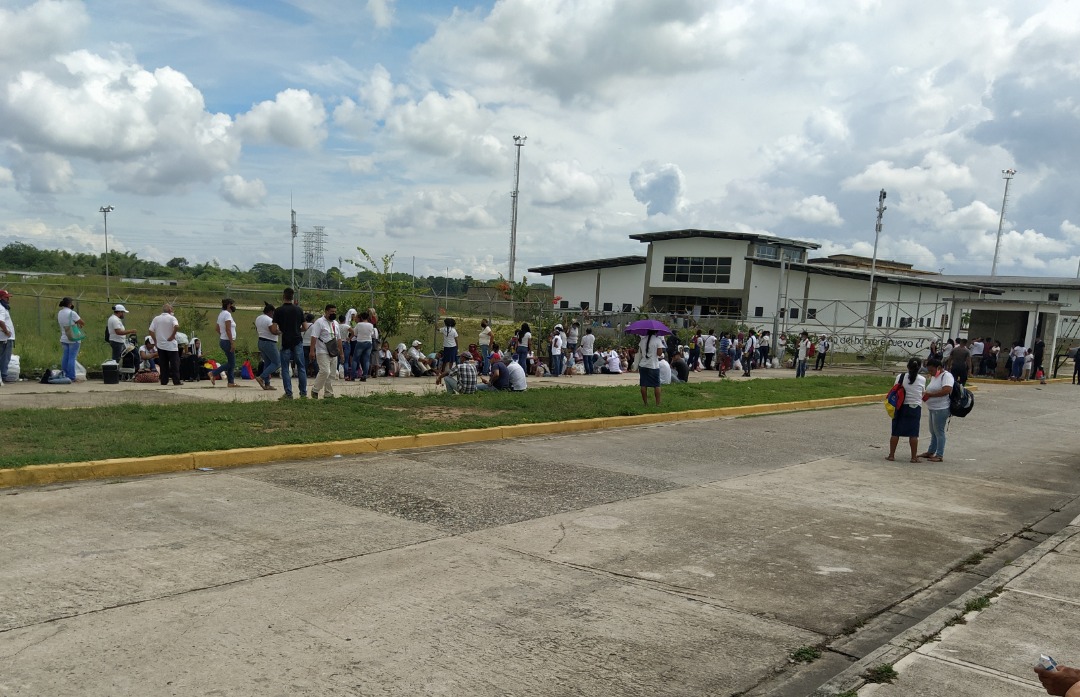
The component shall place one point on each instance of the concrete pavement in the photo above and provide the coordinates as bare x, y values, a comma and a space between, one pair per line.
677, 559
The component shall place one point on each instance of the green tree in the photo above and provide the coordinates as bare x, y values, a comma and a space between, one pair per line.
394, 301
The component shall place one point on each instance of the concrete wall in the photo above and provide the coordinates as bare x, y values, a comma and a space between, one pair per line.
696, 247
617, 285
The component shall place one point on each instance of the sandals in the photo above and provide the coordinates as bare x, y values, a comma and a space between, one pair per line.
933, 458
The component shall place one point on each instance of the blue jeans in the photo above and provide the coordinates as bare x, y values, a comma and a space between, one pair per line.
270, 357
589, 360
6, 348
523, 358
345, 359
230, 362
557, 364
485, 351
298, 354
938, 419
362, 359
67, 361
800, 368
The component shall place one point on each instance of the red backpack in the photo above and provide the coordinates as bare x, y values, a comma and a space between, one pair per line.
895, 398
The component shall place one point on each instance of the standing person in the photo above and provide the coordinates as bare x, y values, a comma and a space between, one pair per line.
695, 349
946, 352
1038, 350
524, 344
557, 351
289, 319
71, 336
709, 349
364, 331
822, 351
588, 354
344, 360
226, 328
804, 351
960, 361
572, 338
764, 346
485, 346
724, 359
750, 352
449, 344
164, 328
1029, 361
1017, 354
937, 396
268, 348
117, 334
976, 349
7, 335
905, 423
324, 342
649, 349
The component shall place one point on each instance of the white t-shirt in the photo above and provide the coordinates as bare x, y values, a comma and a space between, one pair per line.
66, 317
323, 330
751, 344
364, 331
913, 391
5, 317
804, 351
415, 354
977, 348
710, 344
647, 351
665, 372
526, 340
449, 338
942, 380
572, 335
587, 343
223, 317
556, 344
115, 325
766, 341
485, 336
612, 360
517, 376
342, 331
1018, 351
262, 327
161, 328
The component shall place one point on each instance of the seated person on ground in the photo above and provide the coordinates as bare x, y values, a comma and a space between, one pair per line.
665, 368
499, 378
612, 364
460, 378
518, 383
680, 370
419, 364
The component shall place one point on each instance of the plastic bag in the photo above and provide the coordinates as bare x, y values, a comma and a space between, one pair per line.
80, 372
737, 365
13, 369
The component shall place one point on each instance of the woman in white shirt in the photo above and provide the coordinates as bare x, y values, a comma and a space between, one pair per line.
524, 344
905, 423
485, 346
587, 353
649, 347
937, 396
70, 336
449, 344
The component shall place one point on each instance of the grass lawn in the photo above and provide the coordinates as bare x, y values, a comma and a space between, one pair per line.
41, 436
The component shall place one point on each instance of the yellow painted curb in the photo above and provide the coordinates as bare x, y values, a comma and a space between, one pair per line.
35, 475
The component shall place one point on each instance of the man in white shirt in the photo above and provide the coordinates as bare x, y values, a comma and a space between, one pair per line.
665, 369
710, 349
976, 347
587, 354
164, 328
268, 333
365, 335
418, 362
117, 333
518, 383
7, 335
226, 328
324, 341
557, 351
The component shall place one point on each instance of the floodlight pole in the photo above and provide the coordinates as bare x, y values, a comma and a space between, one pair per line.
292, 258
519, 142
105, 210
1007, 175
873, 262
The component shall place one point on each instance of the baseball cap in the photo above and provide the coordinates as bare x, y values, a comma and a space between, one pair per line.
119, 308
4, 294
416, 342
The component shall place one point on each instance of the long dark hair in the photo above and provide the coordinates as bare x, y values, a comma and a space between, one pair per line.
524, 330
648, 337
913, 369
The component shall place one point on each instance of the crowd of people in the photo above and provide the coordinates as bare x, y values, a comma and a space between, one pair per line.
987, 357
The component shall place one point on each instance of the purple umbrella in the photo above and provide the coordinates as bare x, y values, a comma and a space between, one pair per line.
644, 326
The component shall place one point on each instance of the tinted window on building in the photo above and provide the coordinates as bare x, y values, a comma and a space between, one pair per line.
607, 307
1053, 297
759, 312
811, 313
563, 304
584, 304
703, 270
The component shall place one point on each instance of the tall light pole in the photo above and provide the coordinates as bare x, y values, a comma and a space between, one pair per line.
873, 261
1007, 175
105, 210
292, 258
519, 142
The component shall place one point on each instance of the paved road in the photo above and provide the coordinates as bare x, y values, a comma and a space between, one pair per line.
683, 559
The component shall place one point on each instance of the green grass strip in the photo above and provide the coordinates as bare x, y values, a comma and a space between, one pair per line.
44, 436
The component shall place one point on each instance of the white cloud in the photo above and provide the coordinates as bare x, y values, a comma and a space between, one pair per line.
41, 173
437, 214
453, 126
660, 187
71, 238
565, 184
40, 30
1071, 230
936, 170
817, 210
241, 193
295, 119
382, 12
7, 177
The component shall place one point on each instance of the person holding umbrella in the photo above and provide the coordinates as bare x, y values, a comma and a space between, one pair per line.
649, 356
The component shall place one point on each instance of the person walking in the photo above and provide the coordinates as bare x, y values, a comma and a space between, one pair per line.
289, 319
164, 329
905, 423
7, 335
117, 333
524, 344
226, 328
937, 396
959, 361
71, 336
803, 353
822, 352
484, 343
649, 347
268, 347
325, 349
364, 331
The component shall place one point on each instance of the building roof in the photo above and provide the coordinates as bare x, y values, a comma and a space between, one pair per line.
1016, 281
632, 260
860, 262
906, 279
722, 235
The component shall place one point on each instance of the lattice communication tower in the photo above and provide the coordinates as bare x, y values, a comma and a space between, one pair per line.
314, 253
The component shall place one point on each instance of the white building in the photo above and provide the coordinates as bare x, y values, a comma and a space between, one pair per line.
769, 283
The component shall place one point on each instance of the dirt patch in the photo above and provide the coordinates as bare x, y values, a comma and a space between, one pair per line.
443, 413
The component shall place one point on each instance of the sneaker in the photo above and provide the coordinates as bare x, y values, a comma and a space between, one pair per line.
260, 382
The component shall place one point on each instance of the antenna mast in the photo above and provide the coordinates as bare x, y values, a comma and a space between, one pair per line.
1007, 175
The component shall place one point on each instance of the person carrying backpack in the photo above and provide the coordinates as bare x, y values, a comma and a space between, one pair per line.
905, 424
938, 395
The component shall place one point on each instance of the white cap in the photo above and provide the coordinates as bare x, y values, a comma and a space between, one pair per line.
416, 342
119, 308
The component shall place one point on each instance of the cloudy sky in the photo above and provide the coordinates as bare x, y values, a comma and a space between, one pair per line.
392, 123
